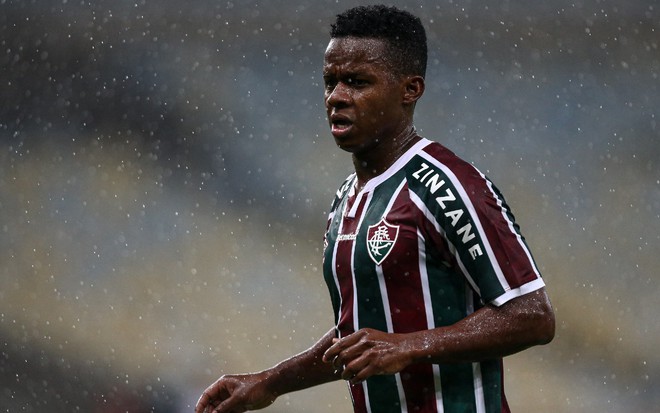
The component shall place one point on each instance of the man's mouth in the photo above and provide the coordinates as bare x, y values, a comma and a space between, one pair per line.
339, 124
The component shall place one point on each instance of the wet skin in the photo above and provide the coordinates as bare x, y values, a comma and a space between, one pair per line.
369, 106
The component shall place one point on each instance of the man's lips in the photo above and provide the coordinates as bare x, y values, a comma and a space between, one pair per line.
340, 124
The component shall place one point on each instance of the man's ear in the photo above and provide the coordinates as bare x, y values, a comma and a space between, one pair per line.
414, 89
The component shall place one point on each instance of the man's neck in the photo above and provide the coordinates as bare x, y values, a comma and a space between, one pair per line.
377, 160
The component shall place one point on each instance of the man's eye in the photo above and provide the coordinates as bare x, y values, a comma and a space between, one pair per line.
354, 81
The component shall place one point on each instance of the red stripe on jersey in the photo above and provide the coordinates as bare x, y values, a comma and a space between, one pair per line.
407, 305
358, 397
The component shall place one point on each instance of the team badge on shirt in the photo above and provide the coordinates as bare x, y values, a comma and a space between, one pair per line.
380, 240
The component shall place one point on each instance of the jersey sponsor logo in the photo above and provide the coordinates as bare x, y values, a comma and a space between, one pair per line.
380, 240
452, 206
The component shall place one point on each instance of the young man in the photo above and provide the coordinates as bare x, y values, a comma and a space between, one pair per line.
430, 280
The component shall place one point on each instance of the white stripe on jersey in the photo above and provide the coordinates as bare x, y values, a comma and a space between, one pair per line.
390, 328
479, 400
477, 379
430, 321
367, 403
334, 275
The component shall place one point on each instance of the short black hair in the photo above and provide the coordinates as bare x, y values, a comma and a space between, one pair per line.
402, 30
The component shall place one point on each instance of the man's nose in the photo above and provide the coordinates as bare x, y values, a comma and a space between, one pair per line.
338, 96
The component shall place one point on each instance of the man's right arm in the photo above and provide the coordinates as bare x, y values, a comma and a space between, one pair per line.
255, 391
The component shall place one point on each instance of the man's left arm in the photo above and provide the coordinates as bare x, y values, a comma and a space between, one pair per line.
489, 333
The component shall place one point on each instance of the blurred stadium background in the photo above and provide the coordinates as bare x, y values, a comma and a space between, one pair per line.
166, 168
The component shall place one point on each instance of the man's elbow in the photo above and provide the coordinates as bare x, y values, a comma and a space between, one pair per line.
540, 318
547, 328
545, 323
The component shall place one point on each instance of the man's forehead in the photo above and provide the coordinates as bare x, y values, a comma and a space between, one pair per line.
354, 50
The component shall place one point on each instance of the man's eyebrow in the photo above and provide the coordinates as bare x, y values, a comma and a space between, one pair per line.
358, 71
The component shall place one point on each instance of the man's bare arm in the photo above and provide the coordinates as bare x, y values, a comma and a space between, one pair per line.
254, 391
491, 332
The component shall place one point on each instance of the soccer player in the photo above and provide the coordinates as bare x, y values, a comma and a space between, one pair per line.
429, 276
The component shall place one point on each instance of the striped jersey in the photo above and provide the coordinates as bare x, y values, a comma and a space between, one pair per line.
423, 245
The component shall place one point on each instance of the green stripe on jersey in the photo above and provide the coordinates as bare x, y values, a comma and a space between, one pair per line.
448, 292
457, 381
448, 295
492, 378
383, 395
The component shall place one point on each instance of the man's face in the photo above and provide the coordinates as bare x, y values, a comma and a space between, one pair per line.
363, 98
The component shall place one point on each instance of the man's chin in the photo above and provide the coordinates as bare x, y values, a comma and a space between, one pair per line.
343, 142
347, 146
351, 145
355, 150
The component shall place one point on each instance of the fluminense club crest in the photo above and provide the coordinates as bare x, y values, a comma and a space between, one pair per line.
380, 240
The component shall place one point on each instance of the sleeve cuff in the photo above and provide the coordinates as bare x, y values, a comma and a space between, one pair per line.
531, 286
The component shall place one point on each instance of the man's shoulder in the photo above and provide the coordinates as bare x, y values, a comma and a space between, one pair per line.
437, 156
442, 153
